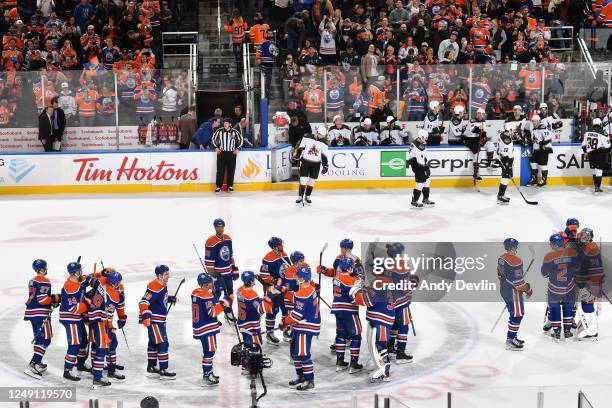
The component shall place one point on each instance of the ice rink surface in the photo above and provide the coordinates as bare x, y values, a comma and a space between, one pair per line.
453, 349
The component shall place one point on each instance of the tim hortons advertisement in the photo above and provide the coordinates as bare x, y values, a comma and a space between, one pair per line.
167, 168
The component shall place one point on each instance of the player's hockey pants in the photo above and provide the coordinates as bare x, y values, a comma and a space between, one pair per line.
348, 329
252, 339
157, 349
300, 354
516, 311
229, 283
111, 357
277, 304
209, 346
100, 344
558, 309
42, 337
401, 326
76, 337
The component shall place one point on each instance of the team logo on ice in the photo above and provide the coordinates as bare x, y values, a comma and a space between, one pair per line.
19, 168
224, 253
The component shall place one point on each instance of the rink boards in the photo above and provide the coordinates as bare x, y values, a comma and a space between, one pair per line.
261, 169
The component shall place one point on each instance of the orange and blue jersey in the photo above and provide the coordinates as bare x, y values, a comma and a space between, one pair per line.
153, 304
510, 273
38, 304
403, 297
250, 309
591, 270
267, 53
105, 301
219, 255
305, 315
73, 306
343, 303
290, 284
606, 14
380, 306
560, 268
272, 265
204, 311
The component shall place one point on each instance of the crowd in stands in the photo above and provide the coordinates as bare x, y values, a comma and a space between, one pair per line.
75, 49
430, 45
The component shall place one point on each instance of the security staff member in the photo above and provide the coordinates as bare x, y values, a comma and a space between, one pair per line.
227, 143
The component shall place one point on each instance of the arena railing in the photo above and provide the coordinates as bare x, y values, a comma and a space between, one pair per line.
404, 92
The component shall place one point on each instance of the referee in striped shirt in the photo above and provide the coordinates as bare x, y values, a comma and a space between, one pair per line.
227, 143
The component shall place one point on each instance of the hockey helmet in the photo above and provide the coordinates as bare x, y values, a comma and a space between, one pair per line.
204, 279
556, 240
219, 222
347, 243
39, 264
247, 277
274, 242
397, 248
346, 264
458, 110
596, 122
296, 256
114, 278
304, 274
510, 244
73, 268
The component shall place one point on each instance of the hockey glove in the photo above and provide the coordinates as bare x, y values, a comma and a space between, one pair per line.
172, 300
146, 322
324, 171
235, 273
317, 287
584, 149
321, 269
225, 302
56, 299
121, 322
146, 318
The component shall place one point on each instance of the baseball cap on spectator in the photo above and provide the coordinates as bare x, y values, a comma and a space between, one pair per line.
18, 22
91, 27
65, 85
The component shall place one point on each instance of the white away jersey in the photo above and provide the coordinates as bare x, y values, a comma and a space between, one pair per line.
456, 128
542, 138
419, 155
475, 129
339, 136
313, 149
594, 141
505, 150
394, 134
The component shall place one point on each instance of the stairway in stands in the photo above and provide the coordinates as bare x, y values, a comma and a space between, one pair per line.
216, 63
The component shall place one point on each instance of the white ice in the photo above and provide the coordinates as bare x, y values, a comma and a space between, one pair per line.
453, 350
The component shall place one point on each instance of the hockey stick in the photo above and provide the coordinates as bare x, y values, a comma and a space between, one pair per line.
517, 187
235, 324
411, 320
321, 263
175, 294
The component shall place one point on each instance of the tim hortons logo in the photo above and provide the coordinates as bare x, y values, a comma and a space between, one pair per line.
131, 171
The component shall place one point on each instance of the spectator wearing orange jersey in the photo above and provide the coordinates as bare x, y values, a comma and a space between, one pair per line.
257, 33
237, 28
314, 99
532, 77
86, 101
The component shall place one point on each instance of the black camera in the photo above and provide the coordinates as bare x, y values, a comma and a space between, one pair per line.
251, 361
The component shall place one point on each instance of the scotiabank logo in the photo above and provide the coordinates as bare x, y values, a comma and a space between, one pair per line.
130, 170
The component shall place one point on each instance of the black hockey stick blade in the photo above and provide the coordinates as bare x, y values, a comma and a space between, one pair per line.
79, 259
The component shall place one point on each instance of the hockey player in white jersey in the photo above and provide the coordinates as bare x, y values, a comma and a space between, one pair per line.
596, 146
457, 125
392, 134
312, 153
541, 138
552, 122
474, 137
417, 160
339, 134
365, 134
505, 150
433, 123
